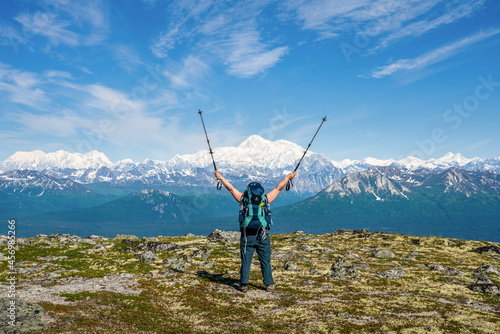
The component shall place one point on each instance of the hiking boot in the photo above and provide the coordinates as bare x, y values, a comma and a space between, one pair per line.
270, 288
243, 288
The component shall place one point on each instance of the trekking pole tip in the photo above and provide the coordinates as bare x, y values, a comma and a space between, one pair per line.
199, 111
324, 119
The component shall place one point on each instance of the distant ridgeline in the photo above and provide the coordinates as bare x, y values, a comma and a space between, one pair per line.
451, 203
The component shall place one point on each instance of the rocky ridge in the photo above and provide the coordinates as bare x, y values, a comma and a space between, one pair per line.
337, 282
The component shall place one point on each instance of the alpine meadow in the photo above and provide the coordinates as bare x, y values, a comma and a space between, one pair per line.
260, 166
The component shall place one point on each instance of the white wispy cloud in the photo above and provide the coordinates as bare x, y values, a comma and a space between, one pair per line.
246, 55
330, 18
461, 10
188, 72
49, 26
71, 23
478, 145
10, 36
60, 124
432, 56
389, 20
21, 86
227, 32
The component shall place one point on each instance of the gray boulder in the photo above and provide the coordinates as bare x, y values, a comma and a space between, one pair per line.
148, 256
484, 285
453, 272
201, 254
341, 269
165, 247
436, 267
487, 268
489, 249
126, 236
176, 264
383, 254
100, 247
314, 271
291, 266
305, 248
391, 274
342, 232
28, 317
218, 235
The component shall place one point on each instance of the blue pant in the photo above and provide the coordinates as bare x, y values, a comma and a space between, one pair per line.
263, 247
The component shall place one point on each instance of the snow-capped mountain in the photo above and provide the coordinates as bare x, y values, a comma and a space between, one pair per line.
254, 159
33, 183
385, 181
28, 191
40, 161
453, 202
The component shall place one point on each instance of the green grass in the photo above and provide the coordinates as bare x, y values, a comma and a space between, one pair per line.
169, 304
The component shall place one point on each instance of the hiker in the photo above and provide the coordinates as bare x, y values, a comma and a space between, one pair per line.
255, 221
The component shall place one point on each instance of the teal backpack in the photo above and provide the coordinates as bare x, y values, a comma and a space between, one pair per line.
254, 208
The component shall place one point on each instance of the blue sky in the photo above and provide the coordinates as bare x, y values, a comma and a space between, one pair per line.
394, 77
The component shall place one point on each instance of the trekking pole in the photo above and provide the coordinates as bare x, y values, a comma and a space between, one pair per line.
290, 183
219, 183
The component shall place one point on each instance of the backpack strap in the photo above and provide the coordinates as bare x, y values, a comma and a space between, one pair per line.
249, 210
259, 212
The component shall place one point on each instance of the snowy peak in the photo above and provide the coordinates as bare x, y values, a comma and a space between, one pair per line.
33, 183
38, 160
255, 158
379, 182
254, 141
382, 182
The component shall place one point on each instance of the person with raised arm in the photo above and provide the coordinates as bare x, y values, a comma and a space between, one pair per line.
255, 221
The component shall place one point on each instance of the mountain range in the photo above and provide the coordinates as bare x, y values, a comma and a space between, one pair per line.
64, 191
452, 202
254, 159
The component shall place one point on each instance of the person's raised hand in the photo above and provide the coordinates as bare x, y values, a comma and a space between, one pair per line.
291, 175
218, 175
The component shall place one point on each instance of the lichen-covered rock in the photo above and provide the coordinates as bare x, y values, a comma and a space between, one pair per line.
99, 247
453, 272
201, 254
291, 266
489, 249
415, 253
28, 316
436, 267
224, 236
148, 256
341, 269
487, 268
314, 271
126, 236
342, 232
351, 256
165, 247
391, 273
484, 285
176, 264
383, 254
305, 248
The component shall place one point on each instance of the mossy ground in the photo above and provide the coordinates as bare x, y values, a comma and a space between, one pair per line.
207, 300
